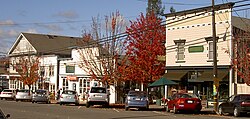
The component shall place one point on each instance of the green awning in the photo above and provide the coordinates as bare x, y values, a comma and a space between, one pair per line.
162, 82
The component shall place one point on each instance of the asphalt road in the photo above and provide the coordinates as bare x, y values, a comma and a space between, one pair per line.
27, 110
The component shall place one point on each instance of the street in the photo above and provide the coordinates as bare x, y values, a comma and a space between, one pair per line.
27, 110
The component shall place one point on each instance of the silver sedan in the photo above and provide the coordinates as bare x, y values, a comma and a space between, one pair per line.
69, 97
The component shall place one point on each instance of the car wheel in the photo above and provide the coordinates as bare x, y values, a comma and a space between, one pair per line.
32, 101
16, 100
76, 104
1, 98
236, 112
60, 103
87, 105
175, 110
126, 108
220, 111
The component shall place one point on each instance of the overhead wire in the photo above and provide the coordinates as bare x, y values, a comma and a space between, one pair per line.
124, 34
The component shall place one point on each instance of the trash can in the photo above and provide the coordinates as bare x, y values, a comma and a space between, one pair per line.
158, 102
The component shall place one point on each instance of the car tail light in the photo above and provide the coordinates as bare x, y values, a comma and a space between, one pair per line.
75, 97
129, 98
180, 101
61, 96
245, 103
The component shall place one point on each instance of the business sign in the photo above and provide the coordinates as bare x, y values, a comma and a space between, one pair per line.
195, 49
70, 69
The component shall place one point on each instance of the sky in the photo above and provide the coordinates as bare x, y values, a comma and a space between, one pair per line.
71, 17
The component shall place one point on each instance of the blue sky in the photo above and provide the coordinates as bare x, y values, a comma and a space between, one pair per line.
70, 17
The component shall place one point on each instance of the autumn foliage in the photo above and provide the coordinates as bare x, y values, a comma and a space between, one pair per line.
241, 61
98, 55
144, 43
27, 68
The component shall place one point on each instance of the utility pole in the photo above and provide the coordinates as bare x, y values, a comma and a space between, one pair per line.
215, 78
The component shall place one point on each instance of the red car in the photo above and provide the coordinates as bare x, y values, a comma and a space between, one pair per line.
183, 102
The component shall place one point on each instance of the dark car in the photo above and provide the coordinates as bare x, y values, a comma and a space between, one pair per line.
183, 102
236, 105
137, 99
41, 95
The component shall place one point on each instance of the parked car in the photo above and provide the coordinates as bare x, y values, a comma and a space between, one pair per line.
8, 94
236, 105
97, 96
23, 94
183, 102
69, 97
41, 95
137, 99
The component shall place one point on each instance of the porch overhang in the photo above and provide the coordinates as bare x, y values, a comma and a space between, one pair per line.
174, 74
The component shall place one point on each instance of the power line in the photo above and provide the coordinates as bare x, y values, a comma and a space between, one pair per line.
175, 3
241, 1
44, 23
124, 34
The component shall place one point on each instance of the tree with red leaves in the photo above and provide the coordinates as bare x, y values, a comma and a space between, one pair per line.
27, 67
144, 43
241, 60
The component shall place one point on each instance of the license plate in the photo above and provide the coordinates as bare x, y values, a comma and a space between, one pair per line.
98, 96
189, 101
68, 97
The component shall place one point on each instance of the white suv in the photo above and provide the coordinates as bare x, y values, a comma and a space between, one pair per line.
97, 96
8, 94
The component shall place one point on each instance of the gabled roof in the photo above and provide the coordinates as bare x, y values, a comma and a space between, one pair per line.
49, 44
241, 23
202, 9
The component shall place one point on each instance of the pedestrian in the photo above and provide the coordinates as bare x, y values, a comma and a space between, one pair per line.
58, 94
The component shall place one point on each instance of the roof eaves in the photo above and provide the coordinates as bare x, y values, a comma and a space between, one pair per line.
208, 8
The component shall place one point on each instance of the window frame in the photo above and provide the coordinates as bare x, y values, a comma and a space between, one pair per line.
180, 49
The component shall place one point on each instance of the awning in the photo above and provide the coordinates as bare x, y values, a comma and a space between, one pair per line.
175, 74
162, 82
207, 75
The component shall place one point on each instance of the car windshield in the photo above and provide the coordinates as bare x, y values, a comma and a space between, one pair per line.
137, 93
41, 91
69, 92
186, 95
98, 90
245, 97
7, 90
24, 91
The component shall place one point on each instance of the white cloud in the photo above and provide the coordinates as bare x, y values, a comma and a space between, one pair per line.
67, 14
52, 27
31, 31
8, 34
7, 22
